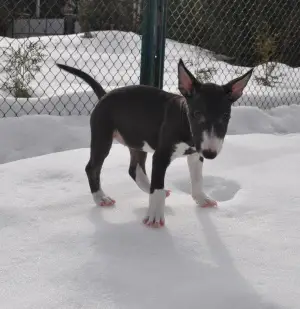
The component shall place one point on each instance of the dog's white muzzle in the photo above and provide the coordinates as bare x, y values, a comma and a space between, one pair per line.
211, 145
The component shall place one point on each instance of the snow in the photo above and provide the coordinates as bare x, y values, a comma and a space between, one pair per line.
34, 135
58, 250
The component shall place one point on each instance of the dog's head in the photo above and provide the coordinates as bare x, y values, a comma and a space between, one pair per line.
209, 108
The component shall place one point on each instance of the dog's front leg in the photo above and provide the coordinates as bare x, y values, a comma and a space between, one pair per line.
195, 163
155, 215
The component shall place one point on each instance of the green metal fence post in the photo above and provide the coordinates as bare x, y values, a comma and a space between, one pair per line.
161, 43
149, 40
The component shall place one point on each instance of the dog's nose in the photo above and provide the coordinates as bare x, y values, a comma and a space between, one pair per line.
209, 154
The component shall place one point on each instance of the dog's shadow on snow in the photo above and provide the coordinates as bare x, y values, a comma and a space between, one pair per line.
146, 268
218, 188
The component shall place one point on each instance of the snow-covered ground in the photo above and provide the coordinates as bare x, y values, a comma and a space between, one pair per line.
58, 250
113, 58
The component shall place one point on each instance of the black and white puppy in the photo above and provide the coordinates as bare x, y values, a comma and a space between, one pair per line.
147, 119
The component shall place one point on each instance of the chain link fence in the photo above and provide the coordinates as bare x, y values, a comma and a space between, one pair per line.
221, 39
100, 37
218, 40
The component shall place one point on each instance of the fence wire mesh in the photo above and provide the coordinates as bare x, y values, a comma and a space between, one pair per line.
221, 39
218, 40
100, 37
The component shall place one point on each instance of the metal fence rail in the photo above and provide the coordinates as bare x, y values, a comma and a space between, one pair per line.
110, 40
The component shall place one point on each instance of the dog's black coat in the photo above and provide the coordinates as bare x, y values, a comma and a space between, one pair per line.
144, 114
149, 108
156, 117
140, 114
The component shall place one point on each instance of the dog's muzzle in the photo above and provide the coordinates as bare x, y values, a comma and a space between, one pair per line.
211, 145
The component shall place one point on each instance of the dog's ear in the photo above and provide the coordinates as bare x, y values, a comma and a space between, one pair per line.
235, 87
186, 80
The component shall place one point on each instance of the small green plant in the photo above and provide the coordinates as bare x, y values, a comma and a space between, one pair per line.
266, 50
270, 78
22, 64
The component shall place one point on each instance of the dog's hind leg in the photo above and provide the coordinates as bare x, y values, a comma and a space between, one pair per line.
101, 141
195, 164
137, 170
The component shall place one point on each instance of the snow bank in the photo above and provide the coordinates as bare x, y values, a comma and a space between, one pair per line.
29, 136
279, 120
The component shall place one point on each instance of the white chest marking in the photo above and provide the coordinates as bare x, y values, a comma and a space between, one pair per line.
180, 150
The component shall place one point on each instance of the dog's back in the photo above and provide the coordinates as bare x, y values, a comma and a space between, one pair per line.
137, 112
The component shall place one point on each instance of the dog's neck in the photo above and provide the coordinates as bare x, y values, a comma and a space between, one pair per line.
185, 123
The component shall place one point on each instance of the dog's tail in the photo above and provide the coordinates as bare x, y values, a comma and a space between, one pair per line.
100, 92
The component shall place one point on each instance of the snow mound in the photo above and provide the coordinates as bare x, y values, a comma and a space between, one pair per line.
35, 135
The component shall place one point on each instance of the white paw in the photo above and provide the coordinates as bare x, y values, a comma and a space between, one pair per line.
101, 199
204, 201
155, 215
155, 219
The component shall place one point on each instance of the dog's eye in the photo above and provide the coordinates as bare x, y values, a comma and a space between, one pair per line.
198, 115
